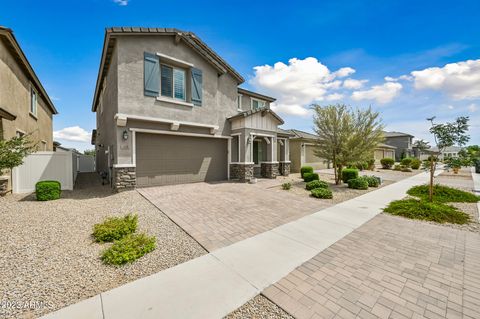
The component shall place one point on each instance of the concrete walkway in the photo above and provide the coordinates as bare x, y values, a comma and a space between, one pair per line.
213, 285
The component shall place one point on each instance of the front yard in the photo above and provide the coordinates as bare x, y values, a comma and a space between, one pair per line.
48, 257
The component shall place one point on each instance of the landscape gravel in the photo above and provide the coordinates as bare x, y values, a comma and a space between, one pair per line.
48, 259
259, 307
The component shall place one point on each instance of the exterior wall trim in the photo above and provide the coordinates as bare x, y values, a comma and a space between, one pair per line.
161, 120
124, 165
178, 61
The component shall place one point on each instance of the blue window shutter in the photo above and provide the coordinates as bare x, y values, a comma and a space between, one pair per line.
167, 81
197, 86
151, 74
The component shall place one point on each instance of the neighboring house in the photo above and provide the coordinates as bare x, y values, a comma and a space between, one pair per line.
25, 107
402, 142
302, 151
169, 111
449, 152
384, 151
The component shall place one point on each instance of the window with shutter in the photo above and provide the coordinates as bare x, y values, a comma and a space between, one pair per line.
167, 81
179, 84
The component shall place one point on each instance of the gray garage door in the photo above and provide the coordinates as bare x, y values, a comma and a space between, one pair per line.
170, 159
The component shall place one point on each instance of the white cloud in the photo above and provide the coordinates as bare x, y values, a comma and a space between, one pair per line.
459, 80
72, 133
450, 107
353, 84
121, 2
334, 97
472, 108
299, 84
381, 93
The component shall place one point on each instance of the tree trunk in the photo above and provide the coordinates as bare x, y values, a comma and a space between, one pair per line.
338, 178
430, 190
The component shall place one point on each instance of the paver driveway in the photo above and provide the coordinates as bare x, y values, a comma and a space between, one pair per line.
219, 214
389, 268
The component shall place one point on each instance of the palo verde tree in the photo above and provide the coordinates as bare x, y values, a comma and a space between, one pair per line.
446, 135
346, 136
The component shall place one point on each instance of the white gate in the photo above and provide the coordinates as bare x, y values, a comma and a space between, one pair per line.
86, 163
41, 166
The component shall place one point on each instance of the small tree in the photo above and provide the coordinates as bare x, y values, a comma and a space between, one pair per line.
346, 136
446, 135
89, 152
14, 150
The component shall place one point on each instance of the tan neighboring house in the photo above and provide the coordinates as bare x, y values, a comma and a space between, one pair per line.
384, 151
25, 107
169, 110
302, 147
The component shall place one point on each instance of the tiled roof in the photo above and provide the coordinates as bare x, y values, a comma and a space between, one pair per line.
303, 134
257, 95
396, 134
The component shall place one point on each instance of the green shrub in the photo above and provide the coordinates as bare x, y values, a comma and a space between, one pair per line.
407, 161
115, 228
316, 184
349, 173
358, 183
128, 249
321, 193
415, 164
397, 167
286, 186
48, 190
373, 181
424, 210
443, 194
387, 162
305, 169
308, 177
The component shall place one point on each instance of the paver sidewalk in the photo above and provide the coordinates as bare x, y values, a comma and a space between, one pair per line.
215, 284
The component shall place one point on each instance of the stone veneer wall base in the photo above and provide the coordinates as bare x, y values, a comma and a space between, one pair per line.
124, 178
269, 170
242, 172
284, 168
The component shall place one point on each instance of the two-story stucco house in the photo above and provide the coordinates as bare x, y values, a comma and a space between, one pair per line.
169, 111
402, 143
25, 107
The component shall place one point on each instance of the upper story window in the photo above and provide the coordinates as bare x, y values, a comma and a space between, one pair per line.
239, 102
33, 102
172, 82
257, 104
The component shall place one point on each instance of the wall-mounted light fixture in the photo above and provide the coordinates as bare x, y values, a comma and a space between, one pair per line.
125, 135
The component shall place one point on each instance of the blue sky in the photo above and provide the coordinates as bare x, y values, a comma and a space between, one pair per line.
407, 59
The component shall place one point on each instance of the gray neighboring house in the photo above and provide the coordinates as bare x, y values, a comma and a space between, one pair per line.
169, 111
302, 151
402, 143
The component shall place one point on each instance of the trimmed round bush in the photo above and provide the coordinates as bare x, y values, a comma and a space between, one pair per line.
321, 193
308, 177
48, 190
128, 249
407, 161
115, 228
316, 184
415, 164
387, 162
348, 174
305, 169
358, 183
373, 181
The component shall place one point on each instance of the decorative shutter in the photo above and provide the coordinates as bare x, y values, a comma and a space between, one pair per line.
151, 74
167, 81
197, 86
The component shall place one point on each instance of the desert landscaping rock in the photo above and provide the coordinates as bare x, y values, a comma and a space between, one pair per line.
47, 254
259, 307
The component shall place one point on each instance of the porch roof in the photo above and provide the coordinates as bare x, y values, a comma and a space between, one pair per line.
264, 110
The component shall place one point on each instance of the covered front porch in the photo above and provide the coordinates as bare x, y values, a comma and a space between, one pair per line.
258, 148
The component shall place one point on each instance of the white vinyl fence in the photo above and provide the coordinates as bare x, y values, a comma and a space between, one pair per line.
86, 163
41, 166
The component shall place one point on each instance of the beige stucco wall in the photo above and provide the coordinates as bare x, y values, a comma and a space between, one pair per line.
383, 153
246, 102
15, 97
106, 109
309, 160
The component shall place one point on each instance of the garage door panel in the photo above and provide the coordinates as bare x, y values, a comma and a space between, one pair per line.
169, 159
